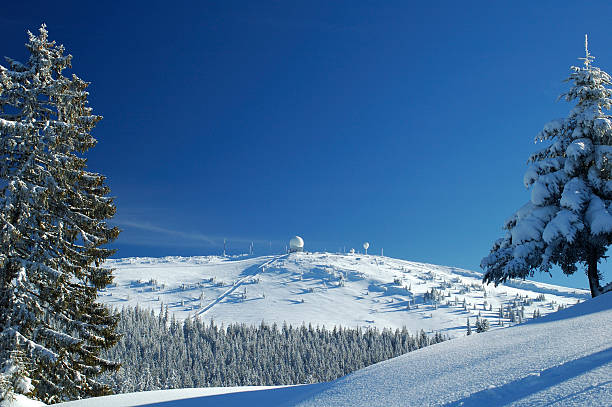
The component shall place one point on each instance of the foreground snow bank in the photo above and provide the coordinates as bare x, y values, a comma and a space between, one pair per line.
564, 359
184, 396
17, 400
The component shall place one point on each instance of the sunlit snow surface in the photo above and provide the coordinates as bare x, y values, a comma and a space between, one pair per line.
323, 289
17, 400
564, 359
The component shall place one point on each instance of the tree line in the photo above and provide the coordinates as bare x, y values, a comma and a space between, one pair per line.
159, 352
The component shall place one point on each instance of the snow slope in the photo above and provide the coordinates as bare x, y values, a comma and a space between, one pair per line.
158, 396
564, 359
325, 289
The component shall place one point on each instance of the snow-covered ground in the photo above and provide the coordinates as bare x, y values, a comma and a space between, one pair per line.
560, 360
326, 289
158, 396
563, 359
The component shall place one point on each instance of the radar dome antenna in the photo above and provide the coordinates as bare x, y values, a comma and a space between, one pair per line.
365, 246
588, 58
296, 244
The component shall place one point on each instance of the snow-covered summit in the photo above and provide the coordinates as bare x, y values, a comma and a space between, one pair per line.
328, 289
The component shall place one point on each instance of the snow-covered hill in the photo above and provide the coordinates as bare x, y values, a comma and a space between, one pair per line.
561, 360
564, 359
327, 289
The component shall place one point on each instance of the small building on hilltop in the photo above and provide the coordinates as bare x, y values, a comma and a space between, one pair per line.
296, 244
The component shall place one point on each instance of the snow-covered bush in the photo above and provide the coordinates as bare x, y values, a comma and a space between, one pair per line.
482, 325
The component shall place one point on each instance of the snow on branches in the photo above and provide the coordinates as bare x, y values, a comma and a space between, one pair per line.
568, 220
53, 232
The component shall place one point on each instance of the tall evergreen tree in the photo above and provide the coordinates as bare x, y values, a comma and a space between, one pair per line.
53, 233
568, 220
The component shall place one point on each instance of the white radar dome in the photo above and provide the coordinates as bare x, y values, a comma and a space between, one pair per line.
296, 244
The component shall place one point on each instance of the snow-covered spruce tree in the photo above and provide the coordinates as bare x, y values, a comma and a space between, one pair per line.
567, 222
53, 233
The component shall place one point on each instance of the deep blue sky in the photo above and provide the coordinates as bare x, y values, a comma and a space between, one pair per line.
404, 124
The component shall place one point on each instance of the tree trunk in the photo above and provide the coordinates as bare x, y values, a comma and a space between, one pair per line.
593, 276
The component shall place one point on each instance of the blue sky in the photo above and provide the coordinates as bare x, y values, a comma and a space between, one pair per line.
404, 124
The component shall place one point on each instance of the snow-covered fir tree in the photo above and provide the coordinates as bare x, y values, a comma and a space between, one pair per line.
482, 325
567, 221
53, 233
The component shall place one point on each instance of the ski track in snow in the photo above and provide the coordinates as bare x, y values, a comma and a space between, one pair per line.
238, 283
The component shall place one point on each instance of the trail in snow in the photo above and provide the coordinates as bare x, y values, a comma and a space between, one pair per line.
237, 284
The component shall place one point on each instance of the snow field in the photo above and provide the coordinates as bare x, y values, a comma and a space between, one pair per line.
328, 289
